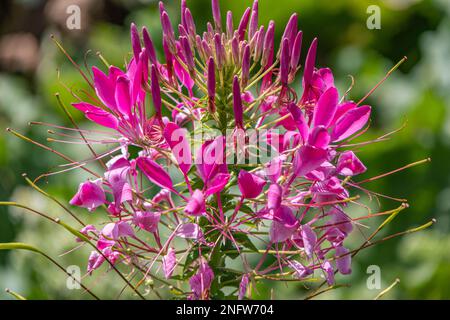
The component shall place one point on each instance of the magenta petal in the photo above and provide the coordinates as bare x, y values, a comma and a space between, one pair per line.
308, 158
300, 121
105, 88
154, 172
122, 95
349, 164
169, 263
342, 109
176, 137
319, 137
274, 195
250, 184
90, 195
326, 108
343, 260
350, 123
309, 64
309, 240
217, 183
97, 115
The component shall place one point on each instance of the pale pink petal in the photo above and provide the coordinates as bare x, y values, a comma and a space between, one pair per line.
169, 263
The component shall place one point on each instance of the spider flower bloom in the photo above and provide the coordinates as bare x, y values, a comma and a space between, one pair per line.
226, 80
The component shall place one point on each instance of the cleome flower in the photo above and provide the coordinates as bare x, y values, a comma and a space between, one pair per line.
228, 146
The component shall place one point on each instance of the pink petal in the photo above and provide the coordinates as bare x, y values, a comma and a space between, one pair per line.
196, 204
250, 184
342, 109
122, 96
343, 264
97, 115
118, 229
319, 137
349, 164
329, 272
90, 195
105, 88
350, 123
147, 220
326, 108
309, 240
189, 231
169, 263
217, 183
154, 172
176, 137
308, 158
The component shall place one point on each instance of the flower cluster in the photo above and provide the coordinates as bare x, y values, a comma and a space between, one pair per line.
179, 206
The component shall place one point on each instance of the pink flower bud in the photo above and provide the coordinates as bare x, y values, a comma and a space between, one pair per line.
259, 43
206, 49
189, 24
291, 30
216, 14
230, 27
245, 65
211, 85
168, 33
235, 50
268, 44
156, 92
188, 54
284, 62
237, 104
148, 43
220, 50
296, 51
253, 27
135, 41
243, 24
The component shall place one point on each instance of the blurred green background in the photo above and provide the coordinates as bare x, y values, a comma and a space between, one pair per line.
418, 94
